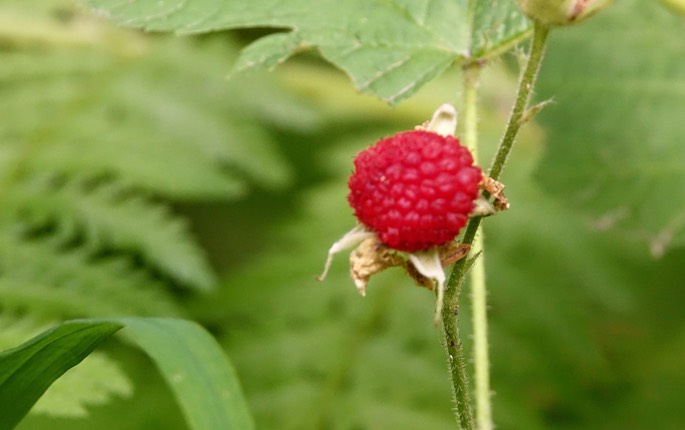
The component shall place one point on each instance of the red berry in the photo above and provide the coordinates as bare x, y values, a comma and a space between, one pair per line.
414, 189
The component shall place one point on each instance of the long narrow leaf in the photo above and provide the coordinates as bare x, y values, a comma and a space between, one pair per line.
196, 369
192, 363
28, 370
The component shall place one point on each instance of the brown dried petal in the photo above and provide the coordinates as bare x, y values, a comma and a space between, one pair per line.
369, 258
372, 257
496, 190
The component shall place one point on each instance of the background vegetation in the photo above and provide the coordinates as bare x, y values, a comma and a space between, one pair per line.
135, 179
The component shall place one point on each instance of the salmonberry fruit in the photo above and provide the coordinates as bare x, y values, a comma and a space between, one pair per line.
415, 189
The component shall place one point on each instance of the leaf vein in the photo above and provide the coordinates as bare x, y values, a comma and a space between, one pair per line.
378, 75
410, 86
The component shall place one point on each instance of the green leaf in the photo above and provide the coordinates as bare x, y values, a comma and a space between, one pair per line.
193, 365
94, 381
497, 26
28, 370
388, 48
615, 134
195, 368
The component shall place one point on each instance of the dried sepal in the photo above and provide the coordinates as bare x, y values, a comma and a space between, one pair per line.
496, 190
424, 267
453, 252
351, 239
372, 256
369, 258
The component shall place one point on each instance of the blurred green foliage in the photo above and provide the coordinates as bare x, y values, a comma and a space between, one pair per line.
111, 138
617, 143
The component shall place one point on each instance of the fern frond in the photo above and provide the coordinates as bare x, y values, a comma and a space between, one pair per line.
108, 218
93, 382
42, 276
154, 123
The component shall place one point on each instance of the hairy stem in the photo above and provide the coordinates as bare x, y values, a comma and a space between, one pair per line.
450, 314
457, 364
456, 279
526, 84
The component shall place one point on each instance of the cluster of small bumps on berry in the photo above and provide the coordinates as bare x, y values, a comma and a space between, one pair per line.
414, 189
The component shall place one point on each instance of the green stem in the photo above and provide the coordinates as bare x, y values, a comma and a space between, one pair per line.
481, 360
450, 312
530, 73
456, 279
457, 363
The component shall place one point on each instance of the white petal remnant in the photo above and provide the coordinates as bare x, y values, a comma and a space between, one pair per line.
444, 121
428, 264
482, 207
350, 240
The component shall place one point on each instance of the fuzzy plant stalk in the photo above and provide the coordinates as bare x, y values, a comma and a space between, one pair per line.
461, 268
481, 359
